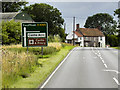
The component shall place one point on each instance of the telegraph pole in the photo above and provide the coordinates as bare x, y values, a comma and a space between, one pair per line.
73, 30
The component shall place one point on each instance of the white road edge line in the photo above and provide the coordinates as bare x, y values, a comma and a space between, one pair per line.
56, 69
116, 81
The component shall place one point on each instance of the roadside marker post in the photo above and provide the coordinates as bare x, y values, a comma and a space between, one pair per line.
35, 34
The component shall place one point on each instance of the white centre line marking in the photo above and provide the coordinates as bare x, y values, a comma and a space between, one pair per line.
105, 65
103, 61
56, 69
101, 58
116, 81
99, 55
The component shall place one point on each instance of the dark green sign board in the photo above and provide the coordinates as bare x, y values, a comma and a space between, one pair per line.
35, 34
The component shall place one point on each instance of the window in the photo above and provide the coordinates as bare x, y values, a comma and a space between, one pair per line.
86, 38
80, 38
95, 38
100, 38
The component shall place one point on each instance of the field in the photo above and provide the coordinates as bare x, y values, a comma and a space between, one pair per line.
19, 66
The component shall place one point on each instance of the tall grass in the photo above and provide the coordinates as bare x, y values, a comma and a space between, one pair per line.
17, 63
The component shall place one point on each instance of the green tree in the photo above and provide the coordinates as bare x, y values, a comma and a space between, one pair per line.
13, 6
46, 13
117, 12
62, 34
113, 39
11, 32
102, 21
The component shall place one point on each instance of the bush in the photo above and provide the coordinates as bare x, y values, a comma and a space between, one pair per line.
11, 32
55, 38
112, 40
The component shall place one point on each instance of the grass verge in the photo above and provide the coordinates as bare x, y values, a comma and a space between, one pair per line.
42, 72
116, 48
18, 64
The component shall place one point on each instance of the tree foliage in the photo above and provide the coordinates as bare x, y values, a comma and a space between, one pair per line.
12, 6
102, 21
112, 40
11, 32
46, 13
117, 12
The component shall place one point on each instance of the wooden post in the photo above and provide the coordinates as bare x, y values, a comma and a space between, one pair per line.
42, 51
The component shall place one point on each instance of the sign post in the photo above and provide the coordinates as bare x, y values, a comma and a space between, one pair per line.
35, 34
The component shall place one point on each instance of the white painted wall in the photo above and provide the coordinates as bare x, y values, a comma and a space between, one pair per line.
81, 39
70, 36
102, 41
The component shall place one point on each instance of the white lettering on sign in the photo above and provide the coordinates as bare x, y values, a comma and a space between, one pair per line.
36, 35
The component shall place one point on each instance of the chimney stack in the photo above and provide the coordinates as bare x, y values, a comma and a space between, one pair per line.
77, 26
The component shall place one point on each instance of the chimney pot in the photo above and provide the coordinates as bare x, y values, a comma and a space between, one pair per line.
77, 26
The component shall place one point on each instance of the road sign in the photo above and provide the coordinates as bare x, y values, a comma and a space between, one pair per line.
34, 34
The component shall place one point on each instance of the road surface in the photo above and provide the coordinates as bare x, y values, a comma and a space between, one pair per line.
86, 67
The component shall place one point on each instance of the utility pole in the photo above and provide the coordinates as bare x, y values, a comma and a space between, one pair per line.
73, 30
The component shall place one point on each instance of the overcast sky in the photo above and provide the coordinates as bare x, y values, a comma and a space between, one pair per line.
81, 10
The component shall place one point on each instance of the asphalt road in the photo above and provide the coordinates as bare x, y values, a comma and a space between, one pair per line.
86, 67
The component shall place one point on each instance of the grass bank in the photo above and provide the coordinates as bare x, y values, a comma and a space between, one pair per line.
22, 70
116, 48
18, 64
42, 72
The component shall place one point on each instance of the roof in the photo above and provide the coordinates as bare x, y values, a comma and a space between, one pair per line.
90, 32
23, 16
16, 16
8, 15
78, 33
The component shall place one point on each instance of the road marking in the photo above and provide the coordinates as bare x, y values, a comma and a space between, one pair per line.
56, 69
101, 58
99, 55
112, 71
116, 81
103, 61
105, 65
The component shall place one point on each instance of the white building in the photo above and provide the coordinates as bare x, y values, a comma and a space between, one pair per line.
87, 37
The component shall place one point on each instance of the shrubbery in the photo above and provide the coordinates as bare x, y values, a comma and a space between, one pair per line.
11, 32
112, 40
55, 38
